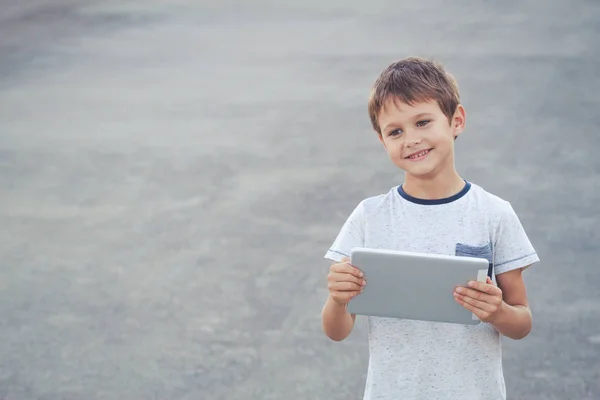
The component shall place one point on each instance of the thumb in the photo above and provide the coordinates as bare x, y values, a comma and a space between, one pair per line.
345, 259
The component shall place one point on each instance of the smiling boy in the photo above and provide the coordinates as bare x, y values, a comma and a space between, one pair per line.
415, 109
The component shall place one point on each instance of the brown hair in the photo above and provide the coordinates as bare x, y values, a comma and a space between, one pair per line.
412, 80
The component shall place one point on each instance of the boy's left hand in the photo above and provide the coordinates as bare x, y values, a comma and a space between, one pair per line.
482, 299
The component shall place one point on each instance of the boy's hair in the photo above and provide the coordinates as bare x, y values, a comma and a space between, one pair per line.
413, 80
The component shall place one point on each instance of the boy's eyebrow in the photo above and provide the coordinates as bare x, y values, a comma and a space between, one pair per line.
425, 114
395, 125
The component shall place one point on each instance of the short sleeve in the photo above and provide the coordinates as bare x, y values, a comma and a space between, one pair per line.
512, 248
350, 236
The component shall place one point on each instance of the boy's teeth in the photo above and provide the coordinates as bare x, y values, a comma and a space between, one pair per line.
420, 154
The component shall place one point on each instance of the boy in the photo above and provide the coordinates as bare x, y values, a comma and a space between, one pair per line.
415, 109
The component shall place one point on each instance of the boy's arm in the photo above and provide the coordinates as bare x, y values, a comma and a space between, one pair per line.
344, 282
514, 321
337, 321
504, 306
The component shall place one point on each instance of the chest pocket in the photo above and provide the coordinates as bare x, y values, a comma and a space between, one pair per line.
485, 252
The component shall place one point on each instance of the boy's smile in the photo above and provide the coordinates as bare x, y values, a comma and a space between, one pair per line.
418, 155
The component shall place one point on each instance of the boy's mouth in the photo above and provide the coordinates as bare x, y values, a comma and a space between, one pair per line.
418, 155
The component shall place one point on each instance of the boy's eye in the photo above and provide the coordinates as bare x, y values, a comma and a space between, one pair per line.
395, 132
423, 123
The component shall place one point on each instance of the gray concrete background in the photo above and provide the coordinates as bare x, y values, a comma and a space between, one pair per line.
172, 174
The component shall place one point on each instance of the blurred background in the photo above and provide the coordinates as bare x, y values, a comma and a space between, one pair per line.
172, 173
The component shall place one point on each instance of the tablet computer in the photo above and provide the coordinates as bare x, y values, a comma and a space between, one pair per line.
414, 286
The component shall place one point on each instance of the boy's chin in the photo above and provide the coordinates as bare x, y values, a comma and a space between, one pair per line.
423, 175
418, 171
426, 169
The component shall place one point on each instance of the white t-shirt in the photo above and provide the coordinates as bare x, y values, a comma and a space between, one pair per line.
425, 360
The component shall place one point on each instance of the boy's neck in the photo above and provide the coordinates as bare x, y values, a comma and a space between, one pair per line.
440, 187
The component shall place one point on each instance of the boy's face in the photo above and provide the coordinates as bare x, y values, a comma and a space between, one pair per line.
418, 138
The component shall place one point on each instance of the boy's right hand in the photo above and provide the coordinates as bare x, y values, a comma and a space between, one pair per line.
344, 281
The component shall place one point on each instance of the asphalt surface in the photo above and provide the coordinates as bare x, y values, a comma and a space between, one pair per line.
172, 174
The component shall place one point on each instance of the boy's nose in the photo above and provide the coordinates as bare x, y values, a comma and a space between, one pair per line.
413, 142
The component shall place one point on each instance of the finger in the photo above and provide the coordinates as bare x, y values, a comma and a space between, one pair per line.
475, 303
345, 287
485, 287
344, 297
476, 295
343, 277
346, 267
354, 294
478, 312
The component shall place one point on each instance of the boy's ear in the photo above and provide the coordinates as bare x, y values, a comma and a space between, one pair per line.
459, 121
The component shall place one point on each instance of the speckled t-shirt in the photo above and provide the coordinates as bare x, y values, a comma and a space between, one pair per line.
410, 359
